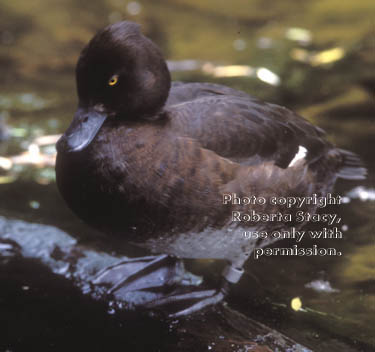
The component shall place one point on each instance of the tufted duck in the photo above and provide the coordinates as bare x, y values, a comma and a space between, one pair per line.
150, 161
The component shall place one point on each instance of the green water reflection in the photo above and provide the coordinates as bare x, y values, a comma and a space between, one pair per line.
322, 55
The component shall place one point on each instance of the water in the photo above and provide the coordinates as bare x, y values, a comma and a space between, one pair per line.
314, 57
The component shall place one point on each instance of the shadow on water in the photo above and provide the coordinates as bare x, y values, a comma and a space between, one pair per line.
321, 61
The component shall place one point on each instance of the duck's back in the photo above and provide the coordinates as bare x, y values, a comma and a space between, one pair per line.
181, 92
239, 127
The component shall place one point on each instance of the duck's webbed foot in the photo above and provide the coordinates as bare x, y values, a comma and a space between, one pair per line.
190, 301
161, 283
137, 281
197, 300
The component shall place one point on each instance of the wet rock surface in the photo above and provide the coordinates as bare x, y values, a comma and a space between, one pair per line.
52, 278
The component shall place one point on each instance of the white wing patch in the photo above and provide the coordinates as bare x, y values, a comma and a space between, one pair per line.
302, 151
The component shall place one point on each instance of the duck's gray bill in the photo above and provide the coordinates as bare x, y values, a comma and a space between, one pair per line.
83, 129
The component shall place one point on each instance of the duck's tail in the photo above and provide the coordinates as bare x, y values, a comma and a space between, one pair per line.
352, 166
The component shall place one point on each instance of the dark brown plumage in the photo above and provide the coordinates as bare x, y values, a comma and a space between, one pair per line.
151, 164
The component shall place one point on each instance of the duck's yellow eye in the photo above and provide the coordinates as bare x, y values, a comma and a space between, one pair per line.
113, 80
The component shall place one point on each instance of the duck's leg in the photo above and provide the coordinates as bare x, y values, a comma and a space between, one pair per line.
231, 275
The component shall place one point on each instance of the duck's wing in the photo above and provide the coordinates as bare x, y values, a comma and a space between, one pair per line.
248, 131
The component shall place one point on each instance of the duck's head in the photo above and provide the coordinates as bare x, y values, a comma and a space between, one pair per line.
120, 74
